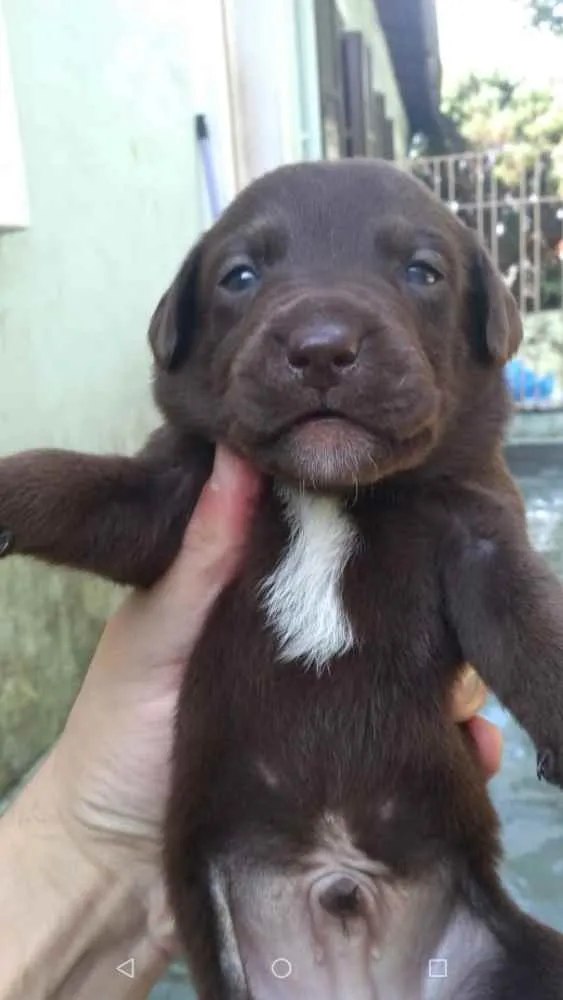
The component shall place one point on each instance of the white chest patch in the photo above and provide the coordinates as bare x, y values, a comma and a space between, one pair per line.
302, 597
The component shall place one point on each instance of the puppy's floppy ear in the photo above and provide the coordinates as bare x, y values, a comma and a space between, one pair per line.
494, 318
175, 316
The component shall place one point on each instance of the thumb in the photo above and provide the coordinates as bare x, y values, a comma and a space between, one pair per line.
213, 542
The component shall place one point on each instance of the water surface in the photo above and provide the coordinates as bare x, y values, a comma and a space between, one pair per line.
532, 813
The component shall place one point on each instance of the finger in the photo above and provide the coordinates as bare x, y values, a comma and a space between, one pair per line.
489, 742
213, 542
220, 522
469, 695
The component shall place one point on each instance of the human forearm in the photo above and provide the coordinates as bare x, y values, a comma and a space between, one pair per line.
66, 922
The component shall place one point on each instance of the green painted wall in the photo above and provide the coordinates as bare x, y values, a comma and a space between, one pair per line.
105, 108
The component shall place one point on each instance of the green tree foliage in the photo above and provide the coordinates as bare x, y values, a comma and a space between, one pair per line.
546, 14
494, 112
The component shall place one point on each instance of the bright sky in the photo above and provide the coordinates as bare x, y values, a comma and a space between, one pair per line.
481, 36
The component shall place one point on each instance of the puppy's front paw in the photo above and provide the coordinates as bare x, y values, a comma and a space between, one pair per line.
6, 542
550, 766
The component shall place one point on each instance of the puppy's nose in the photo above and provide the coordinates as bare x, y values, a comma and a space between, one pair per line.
321, 354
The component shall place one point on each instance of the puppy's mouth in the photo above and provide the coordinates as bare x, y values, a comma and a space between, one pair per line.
316, 420
340, 428
327, 430
328, 449
322, 414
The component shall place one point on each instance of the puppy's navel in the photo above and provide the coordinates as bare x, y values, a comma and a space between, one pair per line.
302, 598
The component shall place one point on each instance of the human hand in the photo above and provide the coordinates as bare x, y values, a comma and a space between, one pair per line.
111, 763
469, 697
81, 886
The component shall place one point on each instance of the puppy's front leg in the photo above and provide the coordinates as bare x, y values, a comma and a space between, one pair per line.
506, 608
120, 518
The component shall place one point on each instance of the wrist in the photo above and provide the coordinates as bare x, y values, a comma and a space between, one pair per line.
68, 915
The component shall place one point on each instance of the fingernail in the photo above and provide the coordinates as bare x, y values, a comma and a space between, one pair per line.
473, 695
471, 684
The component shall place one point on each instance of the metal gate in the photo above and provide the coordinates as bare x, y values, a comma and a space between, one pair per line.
513, 197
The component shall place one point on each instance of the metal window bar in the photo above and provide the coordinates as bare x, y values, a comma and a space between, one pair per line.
513, 197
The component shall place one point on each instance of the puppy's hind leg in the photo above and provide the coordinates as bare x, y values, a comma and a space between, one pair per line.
200, 902
229, 955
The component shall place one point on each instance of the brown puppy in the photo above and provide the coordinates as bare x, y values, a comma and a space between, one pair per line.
329, 832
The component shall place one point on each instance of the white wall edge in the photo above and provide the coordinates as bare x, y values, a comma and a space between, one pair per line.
14, 202
263, 77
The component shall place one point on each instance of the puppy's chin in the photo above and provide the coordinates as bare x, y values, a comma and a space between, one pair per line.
333, 455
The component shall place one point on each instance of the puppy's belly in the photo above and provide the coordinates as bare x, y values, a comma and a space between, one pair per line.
339, 926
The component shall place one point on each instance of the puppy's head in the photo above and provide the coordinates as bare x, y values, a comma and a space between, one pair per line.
332, 326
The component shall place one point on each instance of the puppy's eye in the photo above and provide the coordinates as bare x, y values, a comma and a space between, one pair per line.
419, 272
240, 278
